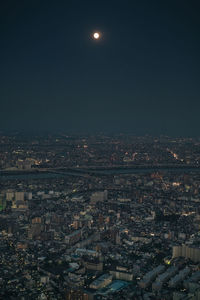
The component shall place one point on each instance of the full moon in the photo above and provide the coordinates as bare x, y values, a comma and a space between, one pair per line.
96, 35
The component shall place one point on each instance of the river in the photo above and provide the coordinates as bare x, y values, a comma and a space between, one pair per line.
103, 172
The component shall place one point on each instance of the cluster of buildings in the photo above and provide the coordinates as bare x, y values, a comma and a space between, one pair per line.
100, 235
21, 152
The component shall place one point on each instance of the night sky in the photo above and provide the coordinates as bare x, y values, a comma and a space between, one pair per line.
141, 77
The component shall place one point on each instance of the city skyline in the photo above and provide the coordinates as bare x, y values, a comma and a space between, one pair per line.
99, 217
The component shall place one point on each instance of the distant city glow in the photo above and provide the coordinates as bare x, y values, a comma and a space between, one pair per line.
173, 154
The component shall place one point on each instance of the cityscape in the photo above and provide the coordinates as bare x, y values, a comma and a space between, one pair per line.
99, 150
99, 217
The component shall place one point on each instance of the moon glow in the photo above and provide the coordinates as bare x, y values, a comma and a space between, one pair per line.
96, 35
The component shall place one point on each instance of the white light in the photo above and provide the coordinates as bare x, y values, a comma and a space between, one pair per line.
96, 35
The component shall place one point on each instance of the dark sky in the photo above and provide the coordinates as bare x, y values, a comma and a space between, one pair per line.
142, 77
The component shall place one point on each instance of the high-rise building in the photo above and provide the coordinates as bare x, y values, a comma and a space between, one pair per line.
187, 251
19, 196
